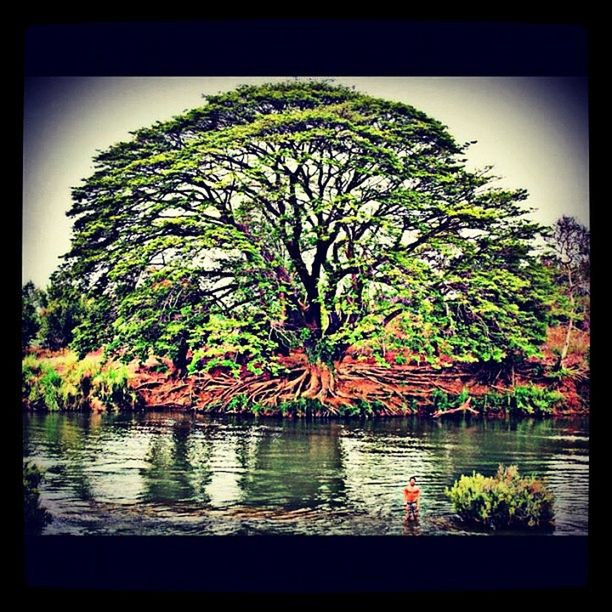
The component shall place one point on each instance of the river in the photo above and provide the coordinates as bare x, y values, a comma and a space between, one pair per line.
159, 473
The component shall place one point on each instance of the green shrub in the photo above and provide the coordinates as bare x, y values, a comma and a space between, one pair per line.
110, 386
440, 400
221, 362
413, 405
504, 501
238, 403
443, 401
35, 515
534, 400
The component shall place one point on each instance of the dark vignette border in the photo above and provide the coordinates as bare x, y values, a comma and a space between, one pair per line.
270, 47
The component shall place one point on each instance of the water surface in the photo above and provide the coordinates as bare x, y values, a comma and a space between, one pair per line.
171, 473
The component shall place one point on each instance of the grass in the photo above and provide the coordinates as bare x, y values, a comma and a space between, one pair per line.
63, 382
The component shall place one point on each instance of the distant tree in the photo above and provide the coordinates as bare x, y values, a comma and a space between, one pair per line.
570, 255
303, 215
31, 298
61, 311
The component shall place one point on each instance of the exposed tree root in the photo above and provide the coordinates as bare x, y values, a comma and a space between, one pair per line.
390, 390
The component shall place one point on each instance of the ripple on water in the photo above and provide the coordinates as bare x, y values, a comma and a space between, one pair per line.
186, 474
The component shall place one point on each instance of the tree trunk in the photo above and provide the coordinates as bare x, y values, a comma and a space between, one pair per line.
570, 324
566, 343
180, 361
312, 316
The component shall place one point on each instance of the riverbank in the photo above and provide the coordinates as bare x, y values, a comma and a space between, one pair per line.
59, 381
356, 386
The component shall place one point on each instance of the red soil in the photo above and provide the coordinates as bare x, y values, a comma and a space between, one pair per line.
359, 377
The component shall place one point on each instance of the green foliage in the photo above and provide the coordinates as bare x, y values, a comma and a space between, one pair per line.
253, 368
301, 406
302, 215
66, 383
41, 384
441, 400
520, 400
560, 374
363, 408
62, 310
95, 329
231, 342
110, 387
50, 388
217, 362
35, 515
505, 501
240, 403
533, 400
325, 349
30, 314
413, 405
304, 407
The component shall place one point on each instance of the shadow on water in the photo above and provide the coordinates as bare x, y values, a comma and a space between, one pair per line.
178, 473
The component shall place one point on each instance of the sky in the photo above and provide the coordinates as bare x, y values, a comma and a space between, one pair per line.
532, 130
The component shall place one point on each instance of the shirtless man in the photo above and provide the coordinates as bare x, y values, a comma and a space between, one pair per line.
412, 494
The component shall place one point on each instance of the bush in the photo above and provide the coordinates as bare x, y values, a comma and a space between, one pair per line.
534, 400
444, 401
35, 516
504, 501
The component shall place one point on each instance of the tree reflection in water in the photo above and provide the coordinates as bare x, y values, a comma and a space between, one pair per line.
294, 464
184, 473
179, 465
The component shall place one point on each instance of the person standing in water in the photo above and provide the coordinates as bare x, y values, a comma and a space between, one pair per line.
412, 495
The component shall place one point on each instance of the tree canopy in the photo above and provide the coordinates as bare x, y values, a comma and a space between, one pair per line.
302, 215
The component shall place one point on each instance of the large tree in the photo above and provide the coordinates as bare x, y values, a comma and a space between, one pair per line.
303, 215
